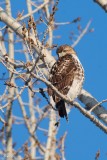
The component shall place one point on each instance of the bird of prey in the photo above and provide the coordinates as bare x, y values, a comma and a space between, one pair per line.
67, 75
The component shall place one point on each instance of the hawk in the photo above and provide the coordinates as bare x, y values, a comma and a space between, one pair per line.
67, 75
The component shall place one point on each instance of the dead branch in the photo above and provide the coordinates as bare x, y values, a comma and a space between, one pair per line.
102, 3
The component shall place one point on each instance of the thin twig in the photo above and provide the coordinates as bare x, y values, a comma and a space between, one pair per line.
82, 34
35, 10
97, 105
63, 146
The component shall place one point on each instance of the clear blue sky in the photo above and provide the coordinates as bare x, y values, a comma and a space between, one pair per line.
83, 137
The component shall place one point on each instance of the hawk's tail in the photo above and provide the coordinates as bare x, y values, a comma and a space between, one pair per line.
61, 109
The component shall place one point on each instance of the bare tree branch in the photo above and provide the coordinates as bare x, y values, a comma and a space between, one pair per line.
84, 31
102, 3
9, 147
90, 101
51, 142
48, 58
77, 105
34, 11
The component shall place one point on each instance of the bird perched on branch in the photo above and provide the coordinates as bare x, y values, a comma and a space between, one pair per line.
67, 75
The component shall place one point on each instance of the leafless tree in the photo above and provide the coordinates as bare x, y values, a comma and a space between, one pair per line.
27, 73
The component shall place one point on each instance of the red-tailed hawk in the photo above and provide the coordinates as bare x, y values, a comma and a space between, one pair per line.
67, 75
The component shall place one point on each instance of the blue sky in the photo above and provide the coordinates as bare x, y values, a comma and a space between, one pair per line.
83, 139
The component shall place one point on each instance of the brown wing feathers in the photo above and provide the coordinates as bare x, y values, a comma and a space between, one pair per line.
62, 77
62, 74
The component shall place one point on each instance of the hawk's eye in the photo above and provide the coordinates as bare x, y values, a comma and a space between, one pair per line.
65, 50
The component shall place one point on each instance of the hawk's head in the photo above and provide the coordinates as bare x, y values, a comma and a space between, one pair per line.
64, 50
